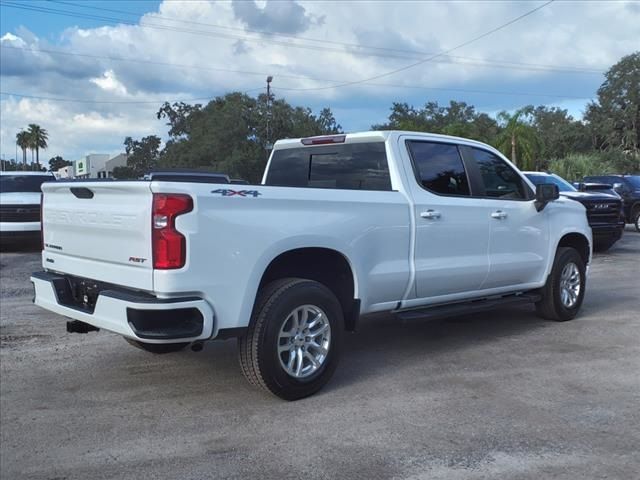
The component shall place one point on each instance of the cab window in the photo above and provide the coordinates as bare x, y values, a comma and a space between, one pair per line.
356, 166
499, 179
438, 167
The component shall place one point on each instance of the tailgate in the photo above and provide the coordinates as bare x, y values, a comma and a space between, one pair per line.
99, 230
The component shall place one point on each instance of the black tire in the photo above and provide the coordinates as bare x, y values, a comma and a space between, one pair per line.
551, 306
636, 219
157, 348
258, 348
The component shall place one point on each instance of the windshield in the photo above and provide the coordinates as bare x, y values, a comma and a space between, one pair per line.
562, 184
634, 180
23, 183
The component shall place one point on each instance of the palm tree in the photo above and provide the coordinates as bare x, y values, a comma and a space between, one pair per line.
38, 137
518, 137
24, 141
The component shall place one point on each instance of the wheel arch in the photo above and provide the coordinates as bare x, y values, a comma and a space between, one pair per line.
577, 241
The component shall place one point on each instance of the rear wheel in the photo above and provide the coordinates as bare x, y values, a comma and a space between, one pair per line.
293, 343
157, 348
636, 219
563, 293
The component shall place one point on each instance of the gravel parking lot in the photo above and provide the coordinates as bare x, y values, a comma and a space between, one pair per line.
497, 395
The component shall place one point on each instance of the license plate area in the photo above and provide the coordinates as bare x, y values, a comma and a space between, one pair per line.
78, 293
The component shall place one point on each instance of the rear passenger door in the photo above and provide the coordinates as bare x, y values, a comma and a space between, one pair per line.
452, 231
519, 236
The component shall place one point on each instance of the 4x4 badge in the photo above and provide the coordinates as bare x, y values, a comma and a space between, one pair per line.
225, 192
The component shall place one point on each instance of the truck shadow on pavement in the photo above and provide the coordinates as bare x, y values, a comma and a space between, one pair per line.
384, 341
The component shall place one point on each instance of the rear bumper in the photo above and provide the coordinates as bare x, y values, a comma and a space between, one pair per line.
134, 315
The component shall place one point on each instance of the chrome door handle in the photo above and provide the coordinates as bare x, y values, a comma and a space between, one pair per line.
430, 214
499, 214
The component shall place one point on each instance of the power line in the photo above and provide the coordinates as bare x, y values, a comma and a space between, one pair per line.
109, 102
440, 58
416, 87
421, 62
150, 62
343, 83
114, 102
421, 87
569, 69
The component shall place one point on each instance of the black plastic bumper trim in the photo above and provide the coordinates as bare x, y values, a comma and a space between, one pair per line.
166, 324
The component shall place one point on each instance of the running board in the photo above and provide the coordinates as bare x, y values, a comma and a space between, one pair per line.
475, 306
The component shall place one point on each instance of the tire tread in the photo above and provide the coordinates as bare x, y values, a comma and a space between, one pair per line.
248, 344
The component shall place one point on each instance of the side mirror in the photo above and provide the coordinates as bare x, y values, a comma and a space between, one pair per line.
618, 187
545, 193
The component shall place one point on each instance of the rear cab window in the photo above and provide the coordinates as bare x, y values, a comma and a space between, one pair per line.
350, 166
438, 167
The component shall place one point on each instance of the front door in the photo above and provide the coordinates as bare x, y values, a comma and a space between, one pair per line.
452, 232
519, 234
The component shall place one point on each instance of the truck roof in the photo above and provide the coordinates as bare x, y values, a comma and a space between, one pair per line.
20, 172
370, 136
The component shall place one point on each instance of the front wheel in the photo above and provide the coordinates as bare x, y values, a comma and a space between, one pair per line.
636, 219
294, 339
563, 293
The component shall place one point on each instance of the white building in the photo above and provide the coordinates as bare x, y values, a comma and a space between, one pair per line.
90, 165
65, 172
119, 160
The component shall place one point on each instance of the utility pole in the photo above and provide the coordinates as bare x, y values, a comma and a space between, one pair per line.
269, 145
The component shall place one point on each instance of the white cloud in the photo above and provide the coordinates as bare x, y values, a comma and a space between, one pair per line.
110, 83
563, 33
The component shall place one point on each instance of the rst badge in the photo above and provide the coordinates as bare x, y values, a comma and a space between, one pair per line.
226, 192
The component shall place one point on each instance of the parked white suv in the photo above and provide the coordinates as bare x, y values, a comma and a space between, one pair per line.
20, 204
341, 226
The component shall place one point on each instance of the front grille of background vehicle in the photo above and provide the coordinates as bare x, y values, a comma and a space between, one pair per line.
19, 213
606, 211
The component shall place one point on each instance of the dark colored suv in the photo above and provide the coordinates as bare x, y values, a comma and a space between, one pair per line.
604, 210
628, 187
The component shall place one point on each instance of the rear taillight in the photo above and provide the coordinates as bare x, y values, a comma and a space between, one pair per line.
169, 245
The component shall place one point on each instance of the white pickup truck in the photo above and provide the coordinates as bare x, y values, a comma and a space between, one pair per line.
341, 226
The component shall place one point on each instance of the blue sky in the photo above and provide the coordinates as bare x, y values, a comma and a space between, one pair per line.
50, 26
121, 64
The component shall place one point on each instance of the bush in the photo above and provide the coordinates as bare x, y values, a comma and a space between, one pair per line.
576, 166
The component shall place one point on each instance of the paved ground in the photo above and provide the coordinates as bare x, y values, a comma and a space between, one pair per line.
500, 395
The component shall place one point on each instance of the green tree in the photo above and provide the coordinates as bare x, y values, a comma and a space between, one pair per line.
229, 134
518, 139
124, 173
559, 133
24, 142
457, 118
614, 119
57, 162
38, 137
143, 154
